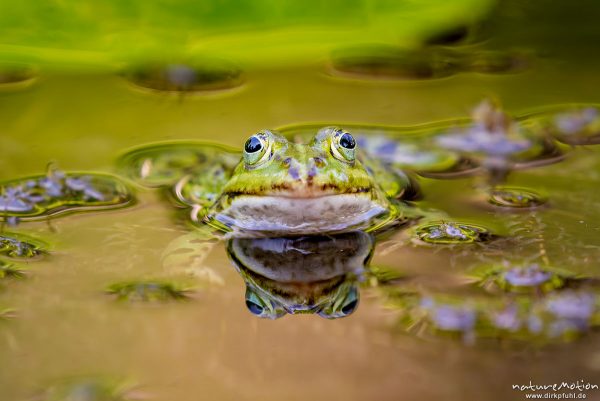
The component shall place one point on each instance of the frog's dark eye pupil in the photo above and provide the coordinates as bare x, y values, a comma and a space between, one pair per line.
349, 308
347, 141
253, 144
254, 307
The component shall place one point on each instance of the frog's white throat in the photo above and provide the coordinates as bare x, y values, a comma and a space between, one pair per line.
287, 215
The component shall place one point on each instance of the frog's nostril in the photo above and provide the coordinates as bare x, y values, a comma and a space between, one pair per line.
319, 163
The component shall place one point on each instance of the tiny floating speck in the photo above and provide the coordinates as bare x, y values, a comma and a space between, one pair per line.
148, 291
451, 233
206, 75
57, 192
515, 198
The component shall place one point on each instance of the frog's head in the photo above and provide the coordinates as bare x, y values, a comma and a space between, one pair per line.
281, 186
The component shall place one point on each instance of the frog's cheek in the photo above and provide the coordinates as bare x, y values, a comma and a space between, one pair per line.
342, 305
261, 306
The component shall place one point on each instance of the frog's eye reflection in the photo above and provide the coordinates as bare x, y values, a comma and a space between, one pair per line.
343, 145
343, 305
254, 307
261, 307
257, 148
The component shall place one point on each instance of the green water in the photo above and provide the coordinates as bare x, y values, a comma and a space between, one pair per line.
211, 347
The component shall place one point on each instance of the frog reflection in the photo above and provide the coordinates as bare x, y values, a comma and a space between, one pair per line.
310, 274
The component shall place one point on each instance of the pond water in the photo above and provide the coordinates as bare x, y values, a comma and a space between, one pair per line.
73, 324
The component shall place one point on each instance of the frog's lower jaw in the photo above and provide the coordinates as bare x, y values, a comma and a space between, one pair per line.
274, 214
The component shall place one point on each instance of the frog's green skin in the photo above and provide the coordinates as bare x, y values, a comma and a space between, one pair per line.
313, 274
318, 187
284, 188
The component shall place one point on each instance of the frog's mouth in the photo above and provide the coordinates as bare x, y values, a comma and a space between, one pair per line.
296, 215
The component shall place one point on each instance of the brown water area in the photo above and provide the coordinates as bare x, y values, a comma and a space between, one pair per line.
90, 308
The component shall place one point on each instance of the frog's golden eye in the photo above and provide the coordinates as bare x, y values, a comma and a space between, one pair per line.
262, 307
343, 145
257, 148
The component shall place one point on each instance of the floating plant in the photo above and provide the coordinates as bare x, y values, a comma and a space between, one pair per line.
10, 271
19, 246
565, 314
165, 164
58, 192
496, 62
148, 291
523, 278
425, 63
449, 233
202, 76
577, 126
448, 317
378, 275
499, 143
395, 63
88, 389
517, 198
556, 316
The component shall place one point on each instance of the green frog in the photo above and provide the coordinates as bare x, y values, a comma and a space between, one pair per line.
280, 187
323, 186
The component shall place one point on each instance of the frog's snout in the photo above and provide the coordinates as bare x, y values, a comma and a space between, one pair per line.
305, 171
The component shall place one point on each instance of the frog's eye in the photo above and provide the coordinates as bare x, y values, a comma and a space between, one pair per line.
343, 304
257, 148
262, 307
343, 146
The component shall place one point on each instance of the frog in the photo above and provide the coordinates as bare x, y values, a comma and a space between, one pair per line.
323, 186
280, 186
